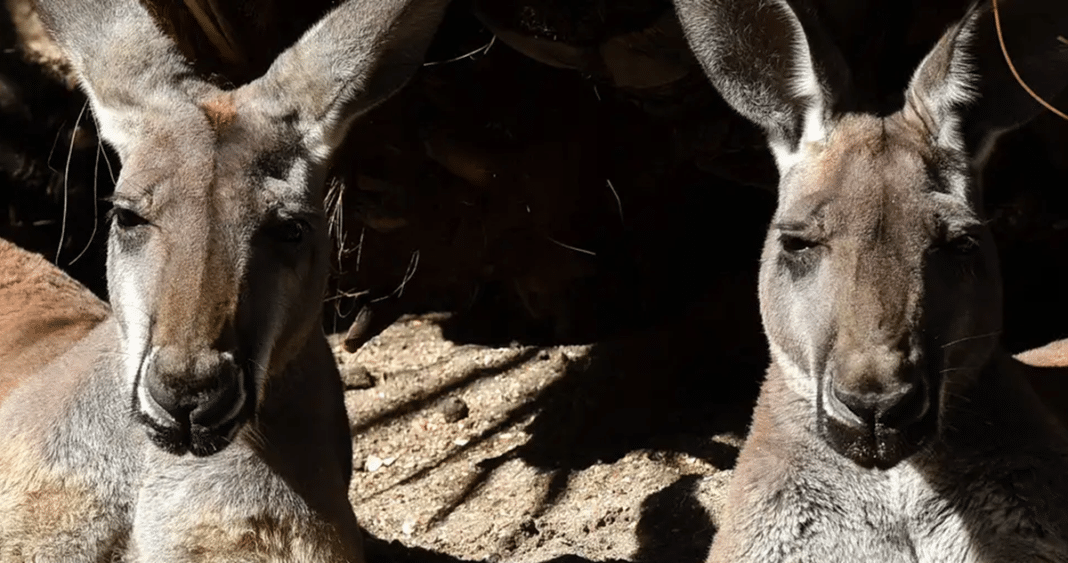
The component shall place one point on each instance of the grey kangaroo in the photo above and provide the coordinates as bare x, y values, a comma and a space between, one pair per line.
200, 417
891, 426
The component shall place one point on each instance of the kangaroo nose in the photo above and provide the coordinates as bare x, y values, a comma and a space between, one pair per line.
195, 389
894, 405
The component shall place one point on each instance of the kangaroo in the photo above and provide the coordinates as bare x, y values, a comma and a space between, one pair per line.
891, 425
201, 416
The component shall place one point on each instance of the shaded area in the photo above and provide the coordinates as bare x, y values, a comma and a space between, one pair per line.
383, 551
424, 400
53, 168
674, 526
668, 388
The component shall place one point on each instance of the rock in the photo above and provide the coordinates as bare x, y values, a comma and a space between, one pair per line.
355, 376
454, 409
373, 463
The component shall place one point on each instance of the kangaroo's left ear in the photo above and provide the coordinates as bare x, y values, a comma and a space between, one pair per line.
353, 59
964, 91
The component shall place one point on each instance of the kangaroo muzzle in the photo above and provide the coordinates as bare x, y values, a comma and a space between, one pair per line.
195, 401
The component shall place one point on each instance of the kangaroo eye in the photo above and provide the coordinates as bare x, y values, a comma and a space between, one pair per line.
125, 218
292, 231
794, 244
964, 245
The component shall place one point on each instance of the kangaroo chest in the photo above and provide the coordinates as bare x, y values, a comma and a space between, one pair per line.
904, 515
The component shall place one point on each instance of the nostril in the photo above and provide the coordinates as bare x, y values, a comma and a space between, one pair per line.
215, 407
889, 407
907, 405
196, 391
168, 398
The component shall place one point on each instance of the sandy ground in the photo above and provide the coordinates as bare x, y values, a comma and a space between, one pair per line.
618, 451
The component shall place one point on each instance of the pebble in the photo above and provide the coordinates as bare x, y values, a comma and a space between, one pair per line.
374, 463
454, 409
355, 376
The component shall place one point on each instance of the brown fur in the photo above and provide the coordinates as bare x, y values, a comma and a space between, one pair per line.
53, 313
220, 111
204, 418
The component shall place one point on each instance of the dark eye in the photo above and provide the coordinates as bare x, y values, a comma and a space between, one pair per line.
291, 231
126, 219
965, 245
794, 244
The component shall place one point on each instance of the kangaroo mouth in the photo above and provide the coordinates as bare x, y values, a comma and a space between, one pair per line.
185, 437
875, 446
873, 443
205, 429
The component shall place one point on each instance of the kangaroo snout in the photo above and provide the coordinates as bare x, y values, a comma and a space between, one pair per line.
877, 387
895, 406
195, 401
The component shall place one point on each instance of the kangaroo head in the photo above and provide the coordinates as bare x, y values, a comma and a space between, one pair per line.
217, 253
879, 282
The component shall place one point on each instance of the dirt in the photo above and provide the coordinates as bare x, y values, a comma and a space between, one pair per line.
466, 452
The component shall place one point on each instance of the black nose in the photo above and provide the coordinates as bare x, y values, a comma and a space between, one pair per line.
196, 389
894, 406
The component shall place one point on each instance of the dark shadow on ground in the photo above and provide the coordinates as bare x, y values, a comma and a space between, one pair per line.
670, 388
675, 527
381, 551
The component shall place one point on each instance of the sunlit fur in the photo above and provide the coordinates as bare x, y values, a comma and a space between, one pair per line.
891, 426
201, 418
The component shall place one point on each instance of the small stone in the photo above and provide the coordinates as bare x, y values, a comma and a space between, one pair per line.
408, 527
355, 376
454, 409
373, 463
389, 461
461, 442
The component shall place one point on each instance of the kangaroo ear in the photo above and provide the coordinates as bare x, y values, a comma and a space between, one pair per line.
354, 58
760, 59
133, 74
964, 91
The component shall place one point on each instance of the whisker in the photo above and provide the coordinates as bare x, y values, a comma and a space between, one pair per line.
969, 338
96, 209
66, 178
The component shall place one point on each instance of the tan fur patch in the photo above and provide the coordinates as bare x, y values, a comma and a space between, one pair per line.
50, 515
220, 111
276, 538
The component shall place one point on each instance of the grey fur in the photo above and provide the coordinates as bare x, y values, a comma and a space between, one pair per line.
891, 427
217, 264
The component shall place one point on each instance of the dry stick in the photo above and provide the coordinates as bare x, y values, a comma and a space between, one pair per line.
483, 49
1005, 52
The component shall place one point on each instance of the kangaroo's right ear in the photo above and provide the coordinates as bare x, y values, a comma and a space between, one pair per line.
758, 56
133, 74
